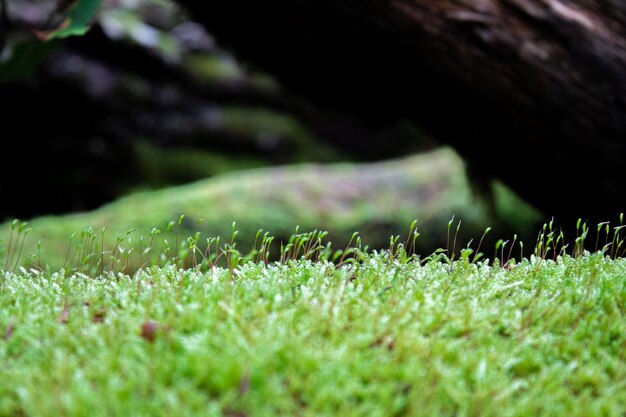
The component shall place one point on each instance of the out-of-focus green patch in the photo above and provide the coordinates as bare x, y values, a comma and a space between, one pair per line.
377, 200
126, 23
269, 127
211, 67
77, 22
23, 59
515, 210
177, 165
266, 138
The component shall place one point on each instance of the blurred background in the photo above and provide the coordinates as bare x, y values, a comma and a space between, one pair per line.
145, 117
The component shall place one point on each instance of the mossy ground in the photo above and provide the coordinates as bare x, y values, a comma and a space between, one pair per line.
384, 336
377, 200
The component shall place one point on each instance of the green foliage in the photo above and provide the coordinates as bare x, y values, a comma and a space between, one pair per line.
25, 55
78, 20
386, 334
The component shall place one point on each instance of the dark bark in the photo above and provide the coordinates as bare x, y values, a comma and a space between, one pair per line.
530, 91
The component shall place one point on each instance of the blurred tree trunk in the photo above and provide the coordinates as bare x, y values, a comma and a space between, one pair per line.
530, 91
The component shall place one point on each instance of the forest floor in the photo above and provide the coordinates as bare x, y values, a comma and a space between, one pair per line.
372, 333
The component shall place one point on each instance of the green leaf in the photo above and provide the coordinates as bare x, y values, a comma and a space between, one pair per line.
78, 20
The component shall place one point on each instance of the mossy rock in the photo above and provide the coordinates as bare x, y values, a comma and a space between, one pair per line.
378, 200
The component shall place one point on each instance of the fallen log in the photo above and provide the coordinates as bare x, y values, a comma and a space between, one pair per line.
532, 92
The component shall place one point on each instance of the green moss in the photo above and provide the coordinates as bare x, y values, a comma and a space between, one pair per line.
378, 200
379, 338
